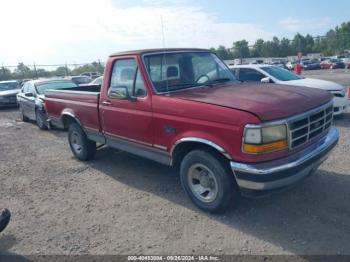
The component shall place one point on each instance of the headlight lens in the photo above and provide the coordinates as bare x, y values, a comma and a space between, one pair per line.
253, 136
274, 133
265, 139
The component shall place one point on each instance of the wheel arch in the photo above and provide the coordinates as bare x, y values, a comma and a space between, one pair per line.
184, 145
67, 118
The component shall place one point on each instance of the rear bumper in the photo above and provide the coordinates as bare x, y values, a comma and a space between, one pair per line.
286, 171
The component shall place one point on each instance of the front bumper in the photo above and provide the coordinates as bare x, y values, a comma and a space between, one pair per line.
286, 171
8, 102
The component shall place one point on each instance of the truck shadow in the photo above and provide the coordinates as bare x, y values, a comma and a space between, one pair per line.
310, 218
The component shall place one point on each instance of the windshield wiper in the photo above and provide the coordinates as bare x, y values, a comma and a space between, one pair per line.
220, 80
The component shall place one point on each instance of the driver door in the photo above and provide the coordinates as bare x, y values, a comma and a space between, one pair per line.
127, 119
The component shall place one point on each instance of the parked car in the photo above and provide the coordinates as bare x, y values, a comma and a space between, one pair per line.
97, 81
346, 62
332, 64
310, 65
184, 108
271, 74
324, 58
92, 75
279, 64
290, 65
8, 92
31, 98
80, 80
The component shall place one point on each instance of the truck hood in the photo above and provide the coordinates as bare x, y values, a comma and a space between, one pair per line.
315, 83
9, 92
267, 101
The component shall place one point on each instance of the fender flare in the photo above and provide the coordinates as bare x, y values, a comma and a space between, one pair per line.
70, 114
200, 141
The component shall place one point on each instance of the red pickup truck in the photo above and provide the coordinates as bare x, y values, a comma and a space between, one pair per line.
184, 108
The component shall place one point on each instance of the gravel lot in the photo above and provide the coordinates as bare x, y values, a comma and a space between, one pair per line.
123, 204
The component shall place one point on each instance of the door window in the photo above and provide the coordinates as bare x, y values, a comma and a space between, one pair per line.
125, 73
250, 75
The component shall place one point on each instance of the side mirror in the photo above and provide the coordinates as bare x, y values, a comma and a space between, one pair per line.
29, 94
120, 92
266, 80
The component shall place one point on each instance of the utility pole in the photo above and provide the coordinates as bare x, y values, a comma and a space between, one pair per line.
66, 67
36, 72
100, 66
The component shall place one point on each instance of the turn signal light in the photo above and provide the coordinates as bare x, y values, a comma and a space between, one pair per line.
264, 148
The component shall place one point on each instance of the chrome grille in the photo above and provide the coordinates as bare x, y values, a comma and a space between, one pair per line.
309, 125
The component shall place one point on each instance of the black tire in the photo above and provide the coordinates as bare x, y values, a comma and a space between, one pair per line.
23, 117
83, 148
227, 193
40, 120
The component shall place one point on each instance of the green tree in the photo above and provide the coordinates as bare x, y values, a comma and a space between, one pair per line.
43, 73
62, 71
93, 67
241, 49
22, 71
5, 74
258, 48
285, 47
223, 53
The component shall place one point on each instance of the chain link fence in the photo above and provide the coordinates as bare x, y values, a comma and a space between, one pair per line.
34, 71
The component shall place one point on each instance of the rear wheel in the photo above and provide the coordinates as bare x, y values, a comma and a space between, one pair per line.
208, 182
40, 120
83, 148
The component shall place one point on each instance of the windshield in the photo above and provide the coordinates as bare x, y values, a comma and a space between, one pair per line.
41, 88
281, 73
176, 71
8, 86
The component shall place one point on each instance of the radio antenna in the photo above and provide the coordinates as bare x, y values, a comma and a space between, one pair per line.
164, 55
162, 25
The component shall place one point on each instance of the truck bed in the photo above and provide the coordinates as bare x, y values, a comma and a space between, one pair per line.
80, 102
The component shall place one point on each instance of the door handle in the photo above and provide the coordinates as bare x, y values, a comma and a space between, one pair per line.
106, 103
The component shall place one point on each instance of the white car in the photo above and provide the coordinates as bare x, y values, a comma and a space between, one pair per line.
97, 81
278, 75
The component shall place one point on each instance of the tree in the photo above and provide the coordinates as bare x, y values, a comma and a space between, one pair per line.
258, 48
241, 49
223, 53
22, 71
285, 47
43, 73
62, 71
93, 67
5, 74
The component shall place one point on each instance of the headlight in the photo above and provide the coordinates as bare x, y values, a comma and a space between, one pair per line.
259, 139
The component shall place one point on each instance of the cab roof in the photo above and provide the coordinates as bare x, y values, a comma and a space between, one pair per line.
159, 50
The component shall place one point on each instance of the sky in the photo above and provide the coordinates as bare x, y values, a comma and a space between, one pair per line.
79, 31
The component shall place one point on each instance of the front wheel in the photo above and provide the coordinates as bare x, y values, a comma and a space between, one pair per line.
24, 118
208, 182
83, 148
40, 120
